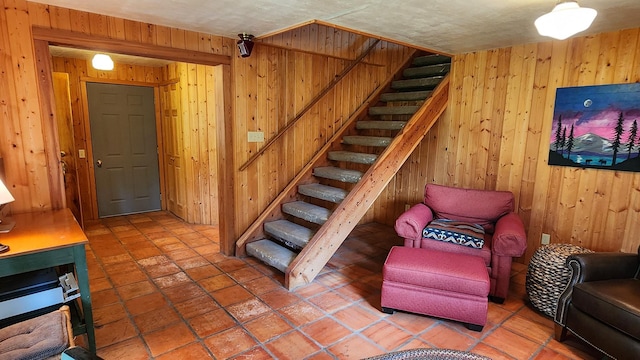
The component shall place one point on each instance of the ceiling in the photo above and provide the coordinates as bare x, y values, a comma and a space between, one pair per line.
447, 26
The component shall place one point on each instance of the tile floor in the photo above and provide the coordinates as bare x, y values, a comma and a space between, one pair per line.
161, 290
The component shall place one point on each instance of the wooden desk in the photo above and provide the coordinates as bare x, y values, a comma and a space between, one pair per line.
47, 239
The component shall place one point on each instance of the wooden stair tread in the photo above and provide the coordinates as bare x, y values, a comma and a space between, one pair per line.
309, 212
291, 234
354, 157
336, 173
271, 254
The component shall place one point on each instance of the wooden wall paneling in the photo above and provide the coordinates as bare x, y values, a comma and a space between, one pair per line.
240, 148
26, 163
495, 141
535, 135
485, 110
586, 178
39, 14
202, 81
163, 35
11, 147
132, 31
79, 21
227, 182
116, 28
213, 121
98, 25
60, 18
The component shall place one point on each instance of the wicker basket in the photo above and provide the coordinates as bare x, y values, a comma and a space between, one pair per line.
548, 275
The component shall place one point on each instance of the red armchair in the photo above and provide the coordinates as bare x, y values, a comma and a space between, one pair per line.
504, 236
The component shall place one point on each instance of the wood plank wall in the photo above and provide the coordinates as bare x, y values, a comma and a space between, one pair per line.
496, 134
274, 84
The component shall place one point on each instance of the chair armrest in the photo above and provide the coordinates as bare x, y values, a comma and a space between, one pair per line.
594, 267
602, 266
410, 224
509, 237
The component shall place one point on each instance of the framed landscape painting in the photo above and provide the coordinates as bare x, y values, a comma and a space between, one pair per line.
596, 127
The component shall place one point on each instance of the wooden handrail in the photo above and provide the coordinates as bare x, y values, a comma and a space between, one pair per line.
308, 107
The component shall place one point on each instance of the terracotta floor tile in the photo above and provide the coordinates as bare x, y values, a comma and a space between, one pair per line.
211, 323
133, 239
160, 270
103, 298
267, 327
497, 314
145, 303
301, 313
229, 343
231, 295
511, 343
217, 282
130, 277
192, 262
136, 289
333, 279
330, 301
114, 332
490, 352
279, 298
262, 285
548, 354
196, 241
157, 319
293, 345
99, 284
172, 280
119, 255
444, 337
197, 306
530, 329
121, 267
231, 264
183, 292
414, 344
145, 252
387, 335
181, 254
257, 353
132, 349
247, 310
195, 351
202, 272
534, 315
108, 314
154, 260
169, 338
310, 290
355, 347
245, 274
326, 331
355, 317
413, 323
574, 348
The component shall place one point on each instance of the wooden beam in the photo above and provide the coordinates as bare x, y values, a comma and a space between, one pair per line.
346, 216
120, 46
49, 125
226, 164
290, 48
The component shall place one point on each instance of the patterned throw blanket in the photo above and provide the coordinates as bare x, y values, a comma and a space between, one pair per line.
457, 232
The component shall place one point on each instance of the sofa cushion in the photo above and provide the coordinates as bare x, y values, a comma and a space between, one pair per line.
482, 207
36, 338
449, 272
456, 232
614, 302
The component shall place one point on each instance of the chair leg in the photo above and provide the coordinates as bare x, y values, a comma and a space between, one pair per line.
387, 310
560, 332
474, 327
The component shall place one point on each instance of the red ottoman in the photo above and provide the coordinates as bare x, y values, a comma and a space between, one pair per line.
442, 284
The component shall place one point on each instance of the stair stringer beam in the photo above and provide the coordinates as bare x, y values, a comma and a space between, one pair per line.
273, 212
346, 216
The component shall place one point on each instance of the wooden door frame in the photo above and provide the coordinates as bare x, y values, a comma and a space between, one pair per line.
43, 37
93, 195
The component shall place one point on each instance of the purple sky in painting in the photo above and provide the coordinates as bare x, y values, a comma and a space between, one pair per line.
595, 109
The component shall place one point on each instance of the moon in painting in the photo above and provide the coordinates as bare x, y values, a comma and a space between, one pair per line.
588, 103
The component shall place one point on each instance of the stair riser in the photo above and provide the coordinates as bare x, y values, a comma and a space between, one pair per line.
393, 110
426, 83
377, 142
427, 71
405, 96
431, 60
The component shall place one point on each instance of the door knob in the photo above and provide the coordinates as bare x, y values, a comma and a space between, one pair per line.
99, 163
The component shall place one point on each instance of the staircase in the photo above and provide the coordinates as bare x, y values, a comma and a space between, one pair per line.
322, 206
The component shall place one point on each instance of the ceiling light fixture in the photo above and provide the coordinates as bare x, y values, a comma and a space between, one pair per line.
102, 62
566, 19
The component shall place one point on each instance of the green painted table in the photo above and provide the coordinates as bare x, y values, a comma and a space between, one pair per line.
46, 239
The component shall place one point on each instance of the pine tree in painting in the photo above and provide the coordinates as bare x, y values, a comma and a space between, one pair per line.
569, 144
633, 132
615, 144
558, 132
